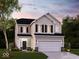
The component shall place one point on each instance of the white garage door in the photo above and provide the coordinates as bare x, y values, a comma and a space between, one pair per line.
49, 46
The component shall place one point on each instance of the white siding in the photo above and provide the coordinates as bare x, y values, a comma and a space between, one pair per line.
47, 20
33, 40
57, 28
57, 24
44, 21
24, 28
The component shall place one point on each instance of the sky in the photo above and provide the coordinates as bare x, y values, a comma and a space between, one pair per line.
58, 8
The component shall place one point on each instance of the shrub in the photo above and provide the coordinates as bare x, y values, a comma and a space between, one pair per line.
15, 49
29, 49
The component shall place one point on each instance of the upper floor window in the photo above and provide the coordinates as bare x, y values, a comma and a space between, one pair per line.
21, 29
27, 29
51, 28
42, 28
36, 28
45, 28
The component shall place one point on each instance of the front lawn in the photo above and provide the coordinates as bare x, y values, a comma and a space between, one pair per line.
24, 55
75, 51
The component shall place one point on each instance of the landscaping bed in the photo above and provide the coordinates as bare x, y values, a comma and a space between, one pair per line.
24, 55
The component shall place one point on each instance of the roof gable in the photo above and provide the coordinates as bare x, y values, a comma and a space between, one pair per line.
44, 20
53, 18
48, 15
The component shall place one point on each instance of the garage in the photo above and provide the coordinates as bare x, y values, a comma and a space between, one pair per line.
50, 46
49, 43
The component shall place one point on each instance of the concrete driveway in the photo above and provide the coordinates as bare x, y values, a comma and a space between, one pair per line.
67, 55
61, 55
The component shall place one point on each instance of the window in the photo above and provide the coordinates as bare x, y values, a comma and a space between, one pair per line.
42, 28
27, 29
36, 28
51, 29
45, 28
21, 29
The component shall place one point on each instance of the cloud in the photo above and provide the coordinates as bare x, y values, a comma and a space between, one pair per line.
56, 5
69, 11
27, 4
36, 8
33, 15
75, 6
73, 1
22, 15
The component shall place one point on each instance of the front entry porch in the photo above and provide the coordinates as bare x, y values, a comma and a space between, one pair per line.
24, 43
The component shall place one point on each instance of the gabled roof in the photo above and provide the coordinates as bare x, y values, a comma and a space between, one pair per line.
53, 17
31, 21
47, 16
24, 21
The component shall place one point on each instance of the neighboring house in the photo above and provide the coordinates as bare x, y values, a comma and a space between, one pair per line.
44, 33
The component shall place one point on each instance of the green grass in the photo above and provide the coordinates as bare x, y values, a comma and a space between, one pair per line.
24, 55
75, 51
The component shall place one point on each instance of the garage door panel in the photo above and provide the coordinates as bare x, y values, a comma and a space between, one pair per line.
49, 46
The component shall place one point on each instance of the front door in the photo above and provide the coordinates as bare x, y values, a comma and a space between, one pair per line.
24, 45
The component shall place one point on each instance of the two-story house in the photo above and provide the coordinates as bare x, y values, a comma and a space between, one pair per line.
44, 33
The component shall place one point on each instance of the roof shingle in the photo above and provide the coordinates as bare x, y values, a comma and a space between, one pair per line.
24, 21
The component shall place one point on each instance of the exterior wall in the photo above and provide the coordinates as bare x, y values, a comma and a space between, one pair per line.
47, 20
33, 40
21, 39
24, 28
44, 21
57, 25
57, 28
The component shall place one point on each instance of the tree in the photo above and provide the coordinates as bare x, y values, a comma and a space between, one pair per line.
6, 8
71, 31
4, 25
